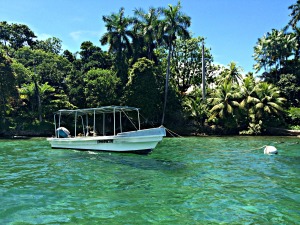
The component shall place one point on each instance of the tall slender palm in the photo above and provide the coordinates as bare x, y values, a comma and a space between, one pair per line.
284, 45
297, 48
295, 14
296, 35
174, 24
147, 24
261, 55
118, 34
273, 50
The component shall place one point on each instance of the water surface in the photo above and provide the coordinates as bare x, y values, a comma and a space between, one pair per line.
204, 180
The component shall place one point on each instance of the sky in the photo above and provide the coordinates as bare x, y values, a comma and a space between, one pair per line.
231, 27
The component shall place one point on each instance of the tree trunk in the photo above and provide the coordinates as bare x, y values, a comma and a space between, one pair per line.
3, 110
167, 84
38, 98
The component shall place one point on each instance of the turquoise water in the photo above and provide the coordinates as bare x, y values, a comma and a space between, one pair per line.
204, 180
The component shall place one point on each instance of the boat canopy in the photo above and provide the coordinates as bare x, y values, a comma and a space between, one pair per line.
98, 110
80, 113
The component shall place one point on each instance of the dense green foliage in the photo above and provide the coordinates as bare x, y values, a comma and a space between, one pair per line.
144, 88
154, 63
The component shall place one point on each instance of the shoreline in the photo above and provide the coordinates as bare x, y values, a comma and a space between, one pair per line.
282, 133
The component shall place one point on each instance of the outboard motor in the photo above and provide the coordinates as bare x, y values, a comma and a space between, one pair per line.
62, 132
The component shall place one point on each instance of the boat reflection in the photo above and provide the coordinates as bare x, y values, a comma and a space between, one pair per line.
133, 160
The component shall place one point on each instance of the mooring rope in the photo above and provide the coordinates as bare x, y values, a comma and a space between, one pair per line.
151, 123
241, 151
257, 148
129, 119
173, 133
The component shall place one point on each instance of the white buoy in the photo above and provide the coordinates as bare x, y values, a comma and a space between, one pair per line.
270, 150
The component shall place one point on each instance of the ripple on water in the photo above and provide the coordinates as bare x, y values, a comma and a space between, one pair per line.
207, 180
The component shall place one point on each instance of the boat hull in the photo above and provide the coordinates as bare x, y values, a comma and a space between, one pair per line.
140, 140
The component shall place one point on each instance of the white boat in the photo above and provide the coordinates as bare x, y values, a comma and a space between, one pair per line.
138, 140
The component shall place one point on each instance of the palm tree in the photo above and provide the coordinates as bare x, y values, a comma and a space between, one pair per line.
296, 35
261, 55
174, 24
297, 50
34, 94
267, 101
232, 74
295, 14
247, 90
147, 25
247, 96
224, 101
273, 50
119, 36
193, 104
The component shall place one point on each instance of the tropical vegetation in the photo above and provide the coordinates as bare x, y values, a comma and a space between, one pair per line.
153, 62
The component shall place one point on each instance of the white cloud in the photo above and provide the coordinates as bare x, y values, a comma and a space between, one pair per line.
43, 36
219, 64
77, 37
82, 35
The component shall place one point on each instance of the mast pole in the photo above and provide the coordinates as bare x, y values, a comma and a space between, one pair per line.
94, 126
203, 72
56, 135
103, 124
120, 122
75, 123
139, 119
59, 119
87, 125
114, 121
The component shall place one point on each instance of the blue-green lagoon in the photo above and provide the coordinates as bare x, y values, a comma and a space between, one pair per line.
193, 180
